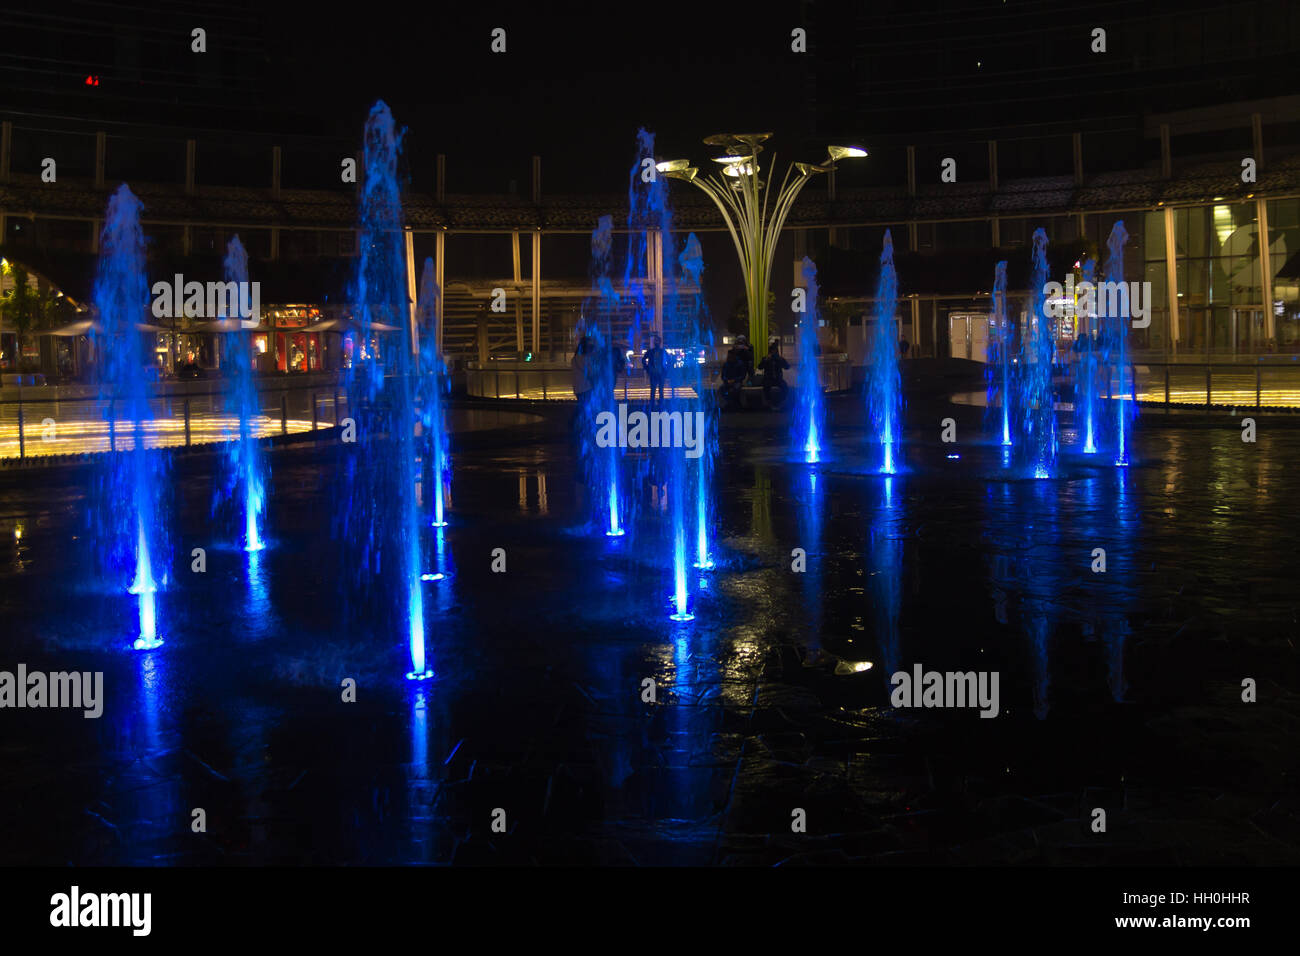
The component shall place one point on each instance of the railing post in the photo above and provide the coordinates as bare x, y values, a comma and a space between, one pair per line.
187, 422
1166, 388
313, 410
1209, 385
284, 412
112, 426
22, 444
1133, 383
1259, 378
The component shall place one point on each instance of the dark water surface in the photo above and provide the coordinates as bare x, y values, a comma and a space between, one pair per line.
1118, 690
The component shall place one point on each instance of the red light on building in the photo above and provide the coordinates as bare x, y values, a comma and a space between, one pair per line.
92, 80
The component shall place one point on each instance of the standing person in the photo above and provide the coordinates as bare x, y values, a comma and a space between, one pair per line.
580, 370
774, 366
655, 363
903, 348
583, 389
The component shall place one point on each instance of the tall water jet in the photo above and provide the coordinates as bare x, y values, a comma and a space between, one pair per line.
1038, 413
593, 368
999, 369
433, 389
883, 382
698, 344
127, 507
1085, 385
245, 465
1116, 334
649, 223
382, 475
810, 408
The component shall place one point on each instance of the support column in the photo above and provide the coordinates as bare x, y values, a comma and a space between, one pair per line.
916, 323
537, 290
408, 235
656, 277
519, 281
1171, 280
440, 255
101, 151
1265, 267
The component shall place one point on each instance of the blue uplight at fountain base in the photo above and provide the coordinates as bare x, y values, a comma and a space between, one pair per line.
1116, 328
381, 479
244, 465
998, 369
810, 408
1037, 408
883, 386
131, 485
1085, 386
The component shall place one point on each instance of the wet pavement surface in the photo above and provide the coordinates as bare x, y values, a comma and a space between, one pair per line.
1118, 690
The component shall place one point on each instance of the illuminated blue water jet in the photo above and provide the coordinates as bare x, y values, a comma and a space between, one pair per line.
1037, 410
1116, 329
1001, 342
131, 485
810, 407
593, 365
434, 385
383, 508
697, 345
883, 384
1085, 386
245, 466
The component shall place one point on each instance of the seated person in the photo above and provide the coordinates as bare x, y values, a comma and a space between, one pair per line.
774, 366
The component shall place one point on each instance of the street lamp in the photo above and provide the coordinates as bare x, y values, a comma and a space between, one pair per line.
742, 198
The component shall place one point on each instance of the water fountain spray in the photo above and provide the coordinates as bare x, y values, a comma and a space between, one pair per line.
381, 380
1038, 412
131, 484
1116, 328
999, 370
245, 465
698, 345
883, 382
810, 409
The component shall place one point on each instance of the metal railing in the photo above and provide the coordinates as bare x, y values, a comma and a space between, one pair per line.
44, 422
1261, 385
554, 381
